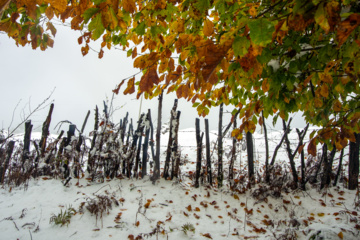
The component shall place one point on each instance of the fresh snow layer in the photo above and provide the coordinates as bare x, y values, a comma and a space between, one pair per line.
166, 206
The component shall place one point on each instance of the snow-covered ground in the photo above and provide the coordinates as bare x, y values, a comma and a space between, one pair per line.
175, 209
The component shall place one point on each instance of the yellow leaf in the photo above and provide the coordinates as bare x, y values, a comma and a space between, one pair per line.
59, 5
318, 103
252, 11
321, 214
341, 235
325, 77
208, 28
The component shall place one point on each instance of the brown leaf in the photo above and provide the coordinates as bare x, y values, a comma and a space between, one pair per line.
207, 235
129, 5
312, 147
149, 79
116, 90
59, 5
346, 27
208, 28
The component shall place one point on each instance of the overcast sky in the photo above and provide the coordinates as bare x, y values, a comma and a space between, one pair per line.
80, 83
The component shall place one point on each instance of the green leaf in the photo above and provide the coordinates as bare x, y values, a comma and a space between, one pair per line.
261, 31
89, 13
202, 5
96, 27
140, 29
195, 104
240, 46
321, 18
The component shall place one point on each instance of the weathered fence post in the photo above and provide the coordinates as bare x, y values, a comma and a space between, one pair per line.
220, 148
156, 174
4, 165
27, 140
250, 153
168, 150
45, 131
354, 163
174, 150
208, 157
198, 151
146, 144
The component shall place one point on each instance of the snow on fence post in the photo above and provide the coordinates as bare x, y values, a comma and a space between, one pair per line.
45, 131
4, 165
168, 150
91, 161
174, 150
208, 157
233, 157
146, 144
138, 135
156, 174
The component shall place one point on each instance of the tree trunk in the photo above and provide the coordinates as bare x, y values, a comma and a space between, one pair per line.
354, 163
250, 153
208, 157
220, 148
302, 158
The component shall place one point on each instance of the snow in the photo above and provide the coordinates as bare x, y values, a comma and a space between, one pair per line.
161, 210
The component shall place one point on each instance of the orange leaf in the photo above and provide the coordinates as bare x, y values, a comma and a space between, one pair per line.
341, 235
189, 208
137, 223
130, 86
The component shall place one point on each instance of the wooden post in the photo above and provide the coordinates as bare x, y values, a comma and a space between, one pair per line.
45, 131
198, 151
156, 174
168, 150
208, 157
250, 153
354, 163
233, 156
220, 148
27, 140
175, 154
4, 165
146, 145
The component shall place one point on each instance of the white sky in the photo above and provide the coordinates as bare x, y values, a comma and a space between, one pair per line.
80, 83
